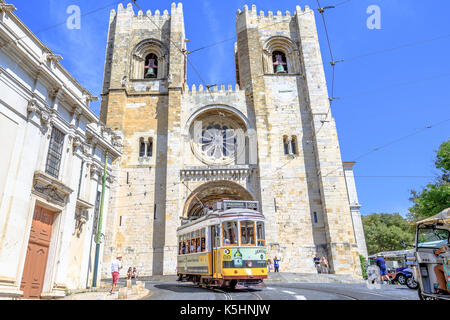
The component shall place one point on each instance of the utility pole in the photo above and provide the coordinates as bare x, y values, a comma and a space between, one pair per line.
99, 225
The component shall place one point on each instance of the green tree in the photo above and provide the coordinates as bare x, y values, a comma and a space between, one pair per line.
384, 232
434, 197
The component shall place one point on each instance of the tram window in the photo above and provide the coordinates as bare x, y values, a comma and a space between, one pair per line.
188, 247
203, 240
260, 234
247, 233
203, 245
217, 235
197, 242
192, 242
230, 233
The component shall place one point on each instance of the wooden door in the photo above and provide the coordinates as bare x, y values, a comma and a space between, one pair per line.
37, 253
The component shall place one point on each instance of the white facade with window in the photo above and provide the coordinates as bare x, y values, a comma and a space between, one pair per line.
53, 152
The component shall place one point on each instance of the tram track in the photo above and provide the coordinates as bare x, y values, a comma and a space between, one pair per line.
228, 296
258, 297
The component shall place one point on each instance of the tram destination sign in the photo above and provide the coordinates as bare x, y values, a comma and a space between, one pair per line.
233, 204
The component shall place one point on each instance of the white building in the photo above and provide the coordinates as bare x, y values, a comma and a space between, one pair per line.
53, 153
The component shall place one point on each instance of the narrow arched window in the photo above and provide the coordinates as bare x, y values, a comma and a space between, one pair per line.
141, 148
279, 62
150, 148
286, 145
294, 145
151, 66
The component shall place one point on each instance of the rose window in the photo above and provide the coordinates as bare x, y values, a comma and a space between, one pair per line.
214, 141
218, 141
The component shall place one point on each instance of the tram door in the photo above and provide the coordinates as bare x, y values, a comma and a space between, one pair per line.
213, 251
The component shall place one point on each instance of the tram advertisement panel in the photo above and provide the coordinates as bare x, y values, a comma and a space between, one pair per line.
194, 263
244, 258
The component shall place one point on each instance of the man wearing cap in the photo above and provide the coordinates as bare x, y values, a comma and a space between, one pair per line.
381, 263
116, 265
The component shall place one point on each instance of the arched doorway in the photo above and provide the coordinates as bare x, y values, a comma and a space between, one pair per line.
211, 192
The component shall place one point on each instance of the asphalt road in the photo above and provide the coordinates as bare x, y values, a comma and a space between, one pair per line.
281, 291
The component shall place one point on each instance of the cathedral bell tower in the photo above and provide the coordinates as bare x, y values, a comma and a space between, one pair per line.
279, 65
145, 71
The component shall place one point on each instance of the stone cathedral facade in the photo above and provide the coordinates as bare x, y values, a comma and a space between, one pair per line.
289, 159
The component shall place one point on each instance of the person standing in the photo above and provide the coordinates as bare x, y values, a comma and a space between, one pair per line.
269, 265
276, 264
324, 264
116, 265
381, 263
316, 260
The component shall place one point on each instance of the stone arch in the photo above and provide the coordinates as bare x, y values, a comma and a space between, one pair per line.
211, 192
286, 46
211, 109
142, 50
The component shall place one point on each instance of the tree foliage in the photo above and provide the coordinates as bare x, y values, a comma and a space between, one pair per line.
434, 197
384, 232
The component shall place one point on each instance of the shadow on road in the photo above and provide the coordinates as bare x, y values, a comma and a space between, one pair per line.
179, 288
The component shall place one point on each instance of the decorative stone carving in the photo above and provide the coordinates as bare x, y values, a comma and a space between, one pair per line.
5, 7
81, 217
32, 106
50, 189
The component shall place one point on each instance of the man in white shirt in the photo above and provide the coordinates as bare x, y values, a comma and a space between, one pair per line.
116, 265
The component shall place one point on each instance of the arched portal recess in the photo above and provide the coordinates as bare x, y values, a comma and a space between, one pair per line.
211, 192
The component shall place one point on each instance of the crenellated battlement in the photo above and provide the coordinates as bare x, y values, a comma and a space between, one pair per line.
194, 90
129, 11
252, 12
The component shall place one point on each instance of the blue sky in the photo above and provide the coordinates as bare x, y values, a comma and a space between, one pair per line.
384, 96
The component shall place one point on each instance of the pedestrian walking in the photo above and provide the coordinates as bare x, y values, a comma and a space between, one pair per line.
316, 260
324, 264
269, 264
116, 265
276, 264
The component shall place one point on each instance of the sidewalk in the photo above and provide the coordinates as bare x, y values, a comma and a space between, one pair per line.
128, 291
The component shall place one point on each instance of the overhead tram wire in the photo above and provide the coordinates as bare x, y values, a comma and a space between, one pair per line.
329, 174
397, 85
394, 141
115, 3
333, 63
182, 51
185, 54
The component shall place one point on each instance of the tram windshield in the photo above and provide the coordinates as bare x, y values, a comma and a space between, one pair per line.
230, 233
247, 233
260, 234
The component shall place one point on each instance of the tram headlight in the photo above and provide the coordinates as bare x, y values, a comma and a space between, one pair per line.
249, 264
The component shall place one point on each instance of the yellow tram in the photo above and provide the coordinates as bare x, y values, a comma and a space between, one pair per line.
225, 247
